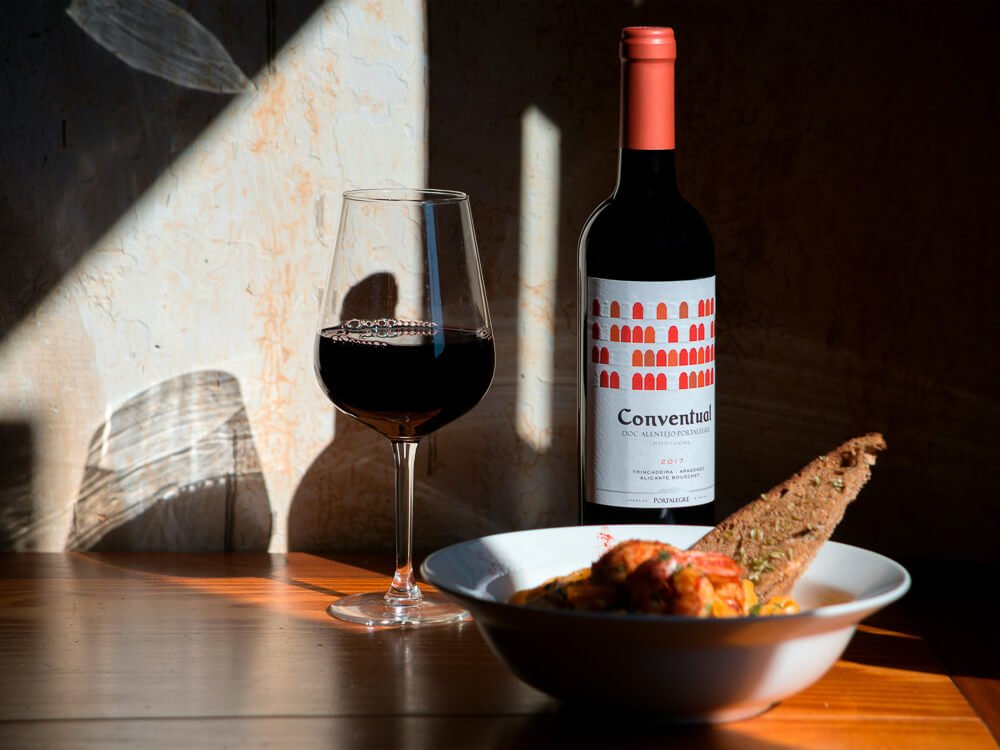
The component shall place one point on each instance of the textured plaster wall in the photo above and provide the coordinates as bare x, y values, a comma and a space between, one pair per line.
163, 382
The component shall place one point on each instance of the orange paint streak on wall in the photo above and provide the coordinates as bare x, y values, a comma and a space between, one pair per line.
271, 310
269, 117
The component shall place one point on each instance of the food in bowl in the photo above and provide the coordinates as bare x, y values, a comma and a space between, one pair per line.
775, 537
656, 578
764, 659
671, 665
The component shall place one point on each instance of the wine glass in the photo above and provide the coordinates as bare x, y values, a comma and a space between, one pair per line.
404, 345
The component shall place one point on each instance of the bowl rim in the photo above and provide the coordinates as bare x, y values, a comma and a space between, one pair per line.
857, 608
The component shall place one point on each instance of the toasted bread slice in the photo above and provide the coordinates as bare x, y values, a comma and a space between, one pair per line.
776, 536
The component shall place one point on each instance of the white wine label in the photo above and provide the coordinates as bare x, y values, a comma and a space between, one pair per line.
651, 392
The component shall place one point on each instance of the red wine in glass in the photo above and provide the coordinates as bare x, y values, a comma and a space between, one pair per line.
404, 379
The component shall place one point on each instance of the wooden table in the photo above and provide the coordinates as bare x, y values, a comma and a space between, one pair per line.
176, 651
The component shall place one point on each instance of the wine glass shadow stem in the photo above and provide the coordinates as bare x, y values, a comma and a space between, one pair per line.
403, 591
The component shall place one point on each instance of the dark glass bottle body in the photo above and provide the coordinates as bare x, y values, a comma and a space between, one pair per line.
645, 231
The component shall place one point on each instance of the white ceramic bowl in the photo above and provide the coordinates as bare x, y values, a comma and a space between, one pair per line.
680, 668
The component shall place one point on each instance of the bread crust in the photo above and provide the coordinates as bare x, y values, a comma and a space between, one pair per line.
776, 536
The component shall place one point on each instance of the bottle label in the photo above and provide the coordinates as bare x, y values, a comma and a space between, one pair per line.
651, 392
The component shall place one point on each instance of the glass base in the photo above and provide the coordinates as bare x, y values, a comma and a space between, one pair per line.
374, 610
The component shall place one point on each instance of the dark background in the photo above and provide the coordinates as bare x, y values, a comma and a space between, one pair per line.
845, 156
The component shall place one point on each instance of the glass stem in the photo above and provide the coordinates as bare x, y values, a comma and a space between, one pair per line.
404, 592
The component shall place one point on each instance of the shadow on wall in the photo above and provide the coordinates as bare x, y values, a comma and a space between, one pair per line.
345, 502
174, 468
346, 499
84, 134
17, 497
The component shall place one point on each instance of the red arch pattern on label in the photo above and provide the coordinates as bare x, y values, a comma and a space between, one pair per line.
659, 357
647, 335
687, 380
705, 308
669, 357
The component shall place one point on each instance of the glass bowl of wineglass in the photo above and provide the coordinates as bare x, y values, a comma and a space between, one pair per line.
404, 345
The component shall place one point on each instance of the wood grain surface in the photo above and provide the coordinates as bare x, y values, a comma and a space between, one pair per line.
174, 650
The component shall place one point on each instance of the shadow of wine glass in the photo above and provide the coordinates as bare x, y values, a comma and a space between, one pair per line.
345, 499
349, 486
174, 468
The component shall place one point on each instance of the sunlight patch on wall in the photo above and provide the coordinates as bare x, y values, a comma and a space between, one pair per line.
539, 246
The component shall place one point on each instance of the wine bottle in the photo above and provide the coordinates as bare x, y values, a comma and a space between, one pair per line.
647, 309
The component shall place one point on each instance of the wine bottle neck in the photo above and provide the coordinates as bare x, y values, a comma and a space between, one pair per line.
646, 160
646, 173
647, 88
